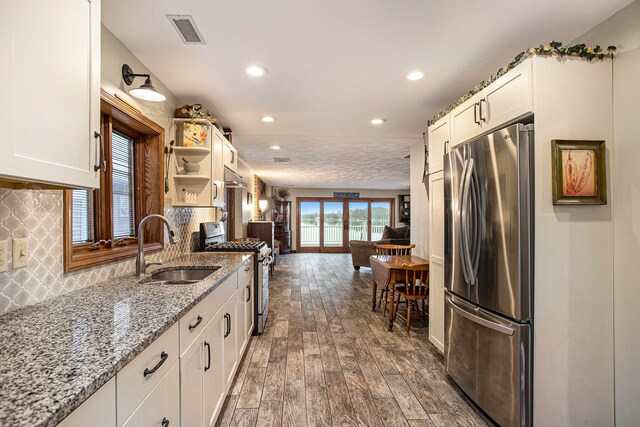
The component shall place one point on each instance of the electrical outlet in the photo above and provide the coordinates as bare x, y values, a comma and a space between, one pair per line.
4, 246
20, 253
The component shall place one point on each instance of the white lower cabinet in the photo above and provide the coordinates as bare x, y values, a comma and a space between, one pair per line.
230, 337
163, 387
161, 408
214, 386
99, 410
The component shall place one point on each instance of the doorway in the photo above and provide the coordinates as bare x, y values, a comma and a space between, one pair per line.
328, 224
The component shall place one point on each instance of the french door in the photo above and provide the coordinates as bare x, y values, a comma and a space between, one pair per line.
328, 224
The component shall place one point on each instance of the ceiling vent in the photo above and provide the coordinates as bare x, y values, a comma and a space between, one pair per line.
186, 27
281, 159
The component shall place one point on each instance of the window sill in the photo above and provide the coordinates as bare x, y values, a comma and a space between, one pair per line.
81, 257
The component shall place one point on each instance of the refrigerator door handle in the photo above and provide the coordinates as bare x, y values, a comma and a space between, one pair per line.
476, 215
479, 320
461, 221
466, 196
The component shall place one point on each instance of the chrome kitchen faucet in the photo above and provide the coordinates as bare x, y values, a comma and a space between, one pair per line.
141, 263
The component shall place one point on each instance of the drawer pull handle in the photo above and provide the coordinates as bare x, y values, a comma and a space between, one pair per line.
165, 422
195, 325
208, 356
163, 358
228, 325
247, 269
248, 293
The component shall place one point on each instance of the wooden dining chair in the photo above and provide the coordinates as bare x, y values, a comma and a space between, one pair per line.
393, 250
415, 290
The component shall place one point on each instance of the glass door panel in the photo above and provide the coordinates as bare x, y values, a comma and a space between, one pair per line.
310, 224
358, 220
380, 216
333, 231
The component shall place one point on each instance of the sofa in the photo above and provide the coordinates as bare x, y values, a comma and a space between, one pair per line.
361, 250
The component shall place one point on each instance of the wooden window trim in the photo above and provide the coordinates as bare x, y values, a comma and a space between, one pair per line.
149, 178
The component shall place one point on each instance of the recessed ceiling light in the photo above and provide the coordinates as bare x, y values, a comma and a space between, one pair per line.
255, 70
378, 121
415, 75
267, 119
275, 147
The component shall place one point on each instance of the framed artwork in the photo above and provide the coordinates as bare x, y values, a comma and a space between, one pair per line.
579, 172
195, 135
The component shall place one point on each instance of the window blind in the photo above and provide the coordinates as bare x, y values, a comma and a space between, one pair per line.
122, 178
82, 214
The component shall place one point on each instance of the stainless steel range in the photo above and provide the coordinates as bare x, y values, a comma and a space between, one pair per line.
212, 239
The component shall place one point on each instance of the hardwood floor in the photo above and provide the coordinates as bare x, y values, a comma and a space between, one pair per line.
326, 359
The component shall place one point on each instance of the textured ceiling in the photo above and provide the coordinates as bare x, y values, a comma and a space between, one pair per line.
336, 64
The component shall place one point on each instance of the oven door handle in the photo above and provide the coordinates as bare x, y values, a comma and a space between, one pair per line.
267, 260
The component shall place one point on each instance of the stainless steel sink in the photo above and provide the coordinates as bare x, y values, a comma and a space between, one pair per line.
181, 276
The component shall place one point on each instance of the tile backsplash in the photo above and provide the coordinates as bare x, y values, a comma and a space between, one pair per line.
37, 215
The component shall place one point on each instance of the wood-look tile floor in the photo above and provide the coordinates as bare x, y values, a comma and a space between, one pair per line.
325, 359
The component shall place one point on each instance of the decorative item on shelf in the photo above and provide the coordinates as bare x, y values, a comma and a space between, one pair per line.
193, 112
168, 151
190, 168
405, 208
262, 205
195, 135
190, 198
552, 49
343, 195
146, 92
579, 172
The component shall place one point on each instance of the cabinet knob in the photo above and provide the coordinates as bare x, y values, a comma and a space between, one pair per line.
165, 422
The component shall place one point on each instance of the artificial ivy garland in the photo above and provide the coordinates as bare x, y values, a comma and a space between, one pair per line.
554, 48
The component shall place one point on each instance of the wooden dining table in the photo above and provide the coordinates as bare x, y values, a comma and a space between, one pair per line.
385, 269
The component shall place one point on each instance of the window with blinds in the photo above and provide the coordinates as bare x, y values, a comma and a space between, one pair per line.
122, 179
82, 214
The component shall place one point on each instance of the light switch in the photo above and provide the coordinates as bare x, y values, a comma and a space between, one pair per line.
4, 246
20, 253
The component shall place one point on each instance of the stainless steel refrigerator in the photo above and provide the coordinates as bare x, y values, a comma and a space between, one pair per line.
488, 272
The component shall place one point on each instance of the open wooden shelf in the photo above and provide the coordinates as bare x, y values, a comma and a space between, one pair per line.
192, 177
196, 121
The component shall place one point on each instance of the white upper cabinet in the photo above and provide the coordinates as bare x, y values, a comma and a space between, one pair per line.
217, 167
439, 137
50, 107
506, 99
230, 156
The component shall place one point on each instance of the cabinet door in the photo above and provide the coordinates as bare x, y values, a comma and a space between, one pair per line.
438, 140
436, 260
191, 384
54, 88
230, 156
230, 340
241, 340
163, 403
248, 312
99, 410
213, 379
508, 97
436, 305
465, 121
217, 168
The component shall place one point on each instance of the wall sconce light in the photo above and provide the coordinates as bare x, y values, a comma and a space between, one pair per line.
262, 204
145, 92
249, 198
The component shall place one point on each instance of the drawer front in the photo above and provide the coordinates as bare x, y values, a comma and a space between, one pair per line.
97, 411
163, 403
245, 270
224, 292
194, 322
131, 382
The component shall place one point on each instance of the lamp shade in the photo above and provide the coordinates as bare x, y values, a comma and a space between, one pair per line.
148, 92
262, 204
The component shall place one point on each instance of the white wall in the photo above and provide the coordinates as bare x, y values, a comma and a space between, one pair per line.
328, 192
623, 31
419, 203
244, 209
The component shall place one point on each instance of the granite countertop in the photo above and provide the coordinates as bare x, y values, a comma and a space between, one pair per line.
55, 354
